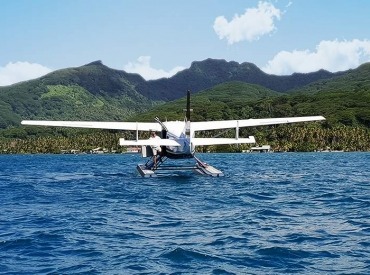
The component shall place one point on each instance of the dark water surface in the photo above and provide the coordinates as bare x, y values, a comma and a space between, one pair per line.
271, 214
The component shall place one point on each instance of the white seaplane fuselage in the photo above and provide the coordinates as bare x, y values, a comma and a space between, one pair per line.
179, 131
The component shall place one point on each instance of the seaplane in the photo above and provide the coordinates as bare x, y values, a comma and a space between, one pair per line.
177, 139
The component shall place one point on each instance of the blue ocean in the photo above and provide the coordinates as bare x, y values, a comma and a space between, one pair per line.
288, 213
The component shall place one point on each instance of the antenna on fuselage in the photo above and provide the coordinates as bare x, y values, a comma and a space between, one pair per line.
188, 110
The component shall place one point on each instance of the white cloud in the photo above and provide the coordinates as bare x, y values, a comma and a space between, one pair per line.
332, 56
142, 67
253, 24
21, 71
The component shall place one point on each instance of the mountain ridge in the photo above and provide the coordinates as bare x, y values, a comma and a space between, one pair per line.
96, 92
210, 72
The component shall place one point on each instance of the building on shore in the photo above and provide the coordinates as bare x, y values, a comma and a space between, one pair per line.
259, 149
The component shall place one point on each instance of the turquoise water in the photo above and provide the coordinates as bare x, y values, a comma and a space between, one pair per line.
296, 213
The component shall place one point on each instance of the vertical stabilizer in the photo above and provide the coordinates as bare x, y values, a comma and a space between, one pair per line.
188, 110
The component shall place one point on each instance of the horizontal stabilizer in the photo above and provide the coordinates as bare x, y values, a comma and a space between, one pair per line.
150, 142
140, 126
219, 141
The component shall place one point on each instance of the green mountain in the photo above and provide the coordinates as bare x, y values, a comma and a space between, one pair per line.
229, 100
90, 92
96, 92
343, 100
210, 72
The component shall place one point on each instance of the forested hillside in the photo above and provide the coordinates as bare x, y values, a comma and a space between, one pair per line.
236, 100
90, 92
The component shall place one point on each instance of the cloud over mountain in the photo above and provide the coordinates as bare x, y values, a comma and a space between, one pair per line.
21, 71
332, 56
251, 25
142, 66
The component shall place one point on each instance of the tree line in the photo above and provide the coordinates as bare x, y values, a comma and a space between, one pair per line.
306, 137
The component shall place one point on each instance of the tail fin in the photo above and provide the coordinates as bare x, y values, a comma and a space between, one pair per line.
188, 110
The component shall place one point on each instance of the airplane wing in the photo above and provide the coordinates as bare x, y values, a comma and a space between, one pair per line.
140, 126
150, 142
218, 141
224, 124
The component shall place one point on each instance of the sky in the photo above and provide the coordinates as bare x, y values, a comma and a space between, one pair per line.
160, 38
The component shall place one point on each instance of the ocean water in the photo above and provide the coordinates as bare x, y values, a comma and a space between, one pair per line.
291, 213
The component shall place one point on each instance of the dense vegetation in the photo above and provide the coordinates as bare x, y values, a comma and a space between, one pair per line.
68, 94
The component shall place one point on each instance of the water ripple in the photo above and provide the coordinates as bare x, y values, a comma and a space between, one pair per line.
270, 214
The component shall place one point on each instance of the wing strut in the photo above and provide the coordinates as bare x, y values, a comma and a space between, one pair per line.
137, 131
161, 123
237, 130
